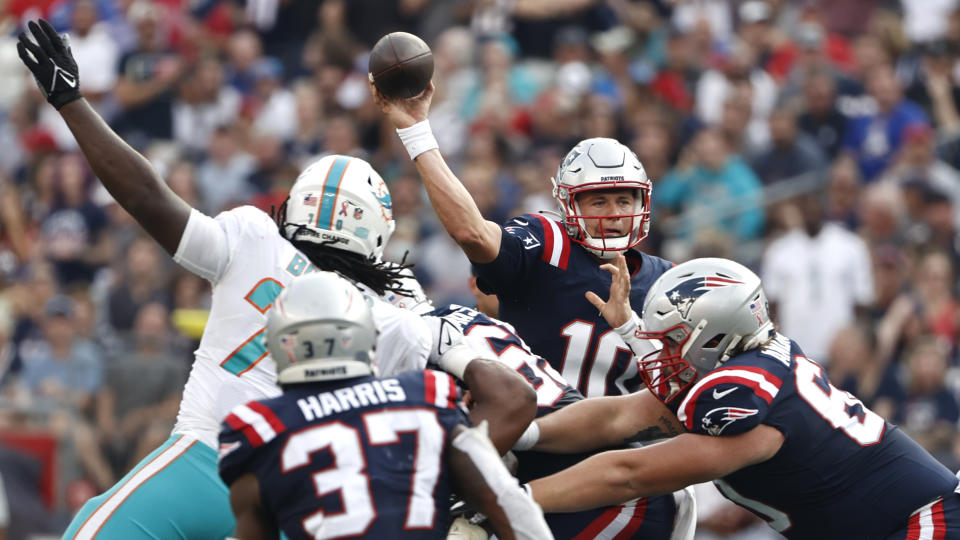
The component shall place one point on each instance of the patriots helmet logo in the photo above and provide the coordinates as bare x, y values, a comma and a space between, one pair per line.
717, 420
683, 295
288, 343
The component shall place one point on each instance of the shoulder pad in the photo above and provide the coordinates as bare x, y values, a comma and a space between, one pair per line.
729, 400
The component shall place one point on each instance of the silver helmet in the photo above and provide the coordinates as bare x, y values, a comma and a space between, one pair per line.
341, 201
703, 312
600, 164
321, 329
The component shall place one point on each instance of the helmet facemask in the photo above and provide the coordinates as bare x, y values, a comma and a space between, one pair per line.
703, 312
603, 246
684, 356
602, 164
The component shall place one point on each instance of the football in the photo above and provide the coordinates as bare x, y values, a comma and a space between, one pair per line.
401, 65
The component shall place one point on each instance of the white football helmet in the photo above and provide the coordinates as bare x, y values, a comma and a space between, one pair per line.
595, 164
321, 329
703, 312
341, 200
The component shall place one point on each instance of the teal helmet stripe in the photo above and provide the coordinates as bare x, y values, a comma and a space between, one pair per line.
331, 187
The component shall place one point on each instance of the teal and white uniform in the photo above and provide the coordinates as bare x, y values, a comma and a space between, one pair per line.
175, 492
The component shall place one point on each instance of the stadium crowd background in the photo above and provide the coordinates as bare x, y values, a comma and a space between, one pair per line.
817, 141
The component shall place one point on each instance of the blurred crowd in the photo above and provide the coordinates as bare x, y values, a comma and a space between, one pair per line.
816, 141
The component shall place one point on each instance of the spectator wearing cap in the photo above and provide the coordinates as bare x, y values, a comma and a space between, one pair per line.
61, 369
791, 153
146, 79
917, 162
62, 372
875, 139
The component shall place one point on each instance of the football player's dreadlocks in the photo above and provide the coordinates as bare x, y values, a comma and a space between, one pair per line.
378, 275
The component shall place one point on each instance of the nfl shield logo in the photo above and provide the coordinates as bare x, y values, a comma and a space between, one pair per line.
357, 213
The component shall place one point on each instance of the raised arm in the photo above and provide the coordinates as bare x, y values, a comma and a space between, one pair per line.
618, 476
126, 174
479, 238
606, 421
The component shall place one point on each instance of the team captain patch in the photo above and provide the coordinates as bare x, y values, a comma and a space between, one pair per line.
525, 236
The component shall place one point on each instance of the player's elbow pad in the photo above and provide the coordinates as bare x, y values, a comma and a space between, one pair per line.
523, 513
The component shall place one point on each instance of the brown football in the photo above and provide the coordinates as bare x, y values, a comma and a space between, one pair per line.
401, 65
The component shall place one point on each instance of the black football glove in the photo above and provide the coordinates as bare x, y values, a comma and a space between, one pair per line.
51, 62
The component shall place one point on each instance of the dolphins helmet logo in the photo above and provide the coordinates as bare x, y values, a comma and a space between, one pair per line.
683, 295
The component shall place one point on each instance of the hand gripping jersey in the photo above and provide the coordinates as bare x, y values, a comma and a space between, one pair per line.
843, 471
243, 255
362, 457
651, 517
540, 278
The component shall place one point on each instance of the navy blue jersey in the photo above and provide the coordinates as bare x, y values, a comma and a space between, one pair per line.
842, 472
357, 458
540, 277
645, 518
553, 392
501, 339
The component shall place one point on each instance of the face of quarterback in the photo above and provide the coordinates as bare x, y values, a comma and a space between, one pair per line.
607, 202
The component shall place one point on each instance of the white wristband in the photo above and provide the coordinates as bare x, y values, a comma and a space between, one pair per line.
628, 328
628, 332
529, 438
418, 138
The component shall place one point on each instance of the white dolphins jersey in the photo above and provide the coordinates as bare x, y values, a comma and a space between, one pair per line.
243, 255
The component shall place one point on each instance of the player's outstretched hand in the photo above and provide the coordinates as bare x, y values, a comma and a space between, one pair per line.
51, 62
616, 310
404, 113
